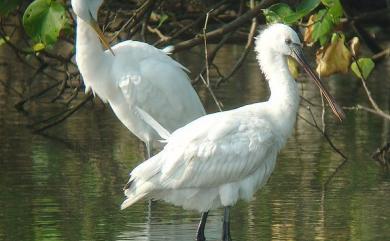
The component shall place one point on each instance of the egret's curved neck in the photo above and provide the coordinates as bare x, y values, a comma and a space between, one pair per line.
92, 61
284, 99
87, 41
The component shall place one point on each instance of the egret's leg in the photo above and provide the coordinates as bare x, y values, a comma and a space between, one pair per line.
226, 225
148, 152
147, 144
200, 233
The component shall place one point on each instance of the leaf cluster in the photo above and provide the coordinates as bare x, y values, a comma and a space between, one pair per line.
324, 17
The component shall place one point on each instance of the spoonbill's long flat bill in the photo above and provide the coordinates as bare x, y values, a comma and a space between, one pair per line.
220, 158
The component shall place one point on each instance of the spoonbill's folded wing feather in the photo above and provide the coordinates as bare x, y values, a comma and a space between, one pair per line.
224, 150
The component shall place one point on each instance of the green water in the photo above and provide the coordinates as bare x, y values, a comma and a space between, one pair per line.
67, 184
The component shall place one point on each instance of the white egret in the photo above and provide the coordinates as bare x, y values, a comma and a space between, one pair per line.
223, 157
133, 74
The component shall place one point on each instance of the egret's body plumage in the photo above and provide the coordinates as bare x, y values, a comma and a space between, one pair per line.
138, 75
223, 157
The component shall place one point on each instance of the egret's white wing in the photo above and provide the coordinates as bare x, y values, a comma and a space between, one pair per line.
213, 151
154, 124
158, 85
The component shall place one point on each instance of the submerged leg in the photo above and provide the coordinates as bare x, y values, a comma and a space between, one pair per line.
226, 225
200, 233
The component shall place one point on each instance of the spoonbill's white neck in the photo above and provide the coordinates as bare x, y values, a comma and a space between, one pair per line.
284, 100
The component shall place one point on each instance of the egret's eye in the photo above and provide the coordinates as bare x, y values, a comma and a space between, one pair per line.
288, 41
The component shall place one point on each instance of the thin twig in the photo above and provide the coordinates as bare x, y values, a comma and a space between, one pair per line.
245, 53
368, 93
212, 93
217, 8
207, 81
68, 114
330, 142
232, 26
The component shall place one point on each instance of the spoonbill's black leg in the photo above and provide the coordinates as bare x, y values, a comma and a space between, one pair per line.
200, 233
226, 225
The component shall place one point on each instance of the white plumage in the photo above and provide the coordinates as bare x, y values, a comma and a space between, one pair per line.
223, 157
138, 75
203, 166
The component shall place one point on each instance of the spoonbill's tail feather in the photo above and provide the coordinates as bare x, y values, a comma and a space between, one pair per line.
131, 199
143, 181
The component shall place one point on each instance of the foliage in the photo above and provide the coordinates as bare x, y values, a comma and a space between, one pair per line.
363, 68
293, 67
333, 56
3, 40
43, 20
281, 12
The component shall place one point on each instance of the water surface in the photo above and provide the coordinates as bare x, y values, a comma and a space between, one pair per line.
67, 184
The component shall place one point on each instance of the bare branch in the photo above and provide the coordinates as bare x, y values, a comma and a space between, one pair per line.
232, 26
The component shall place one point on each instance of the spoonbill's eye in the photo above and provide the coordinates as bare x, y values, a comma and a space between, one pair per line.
288, 41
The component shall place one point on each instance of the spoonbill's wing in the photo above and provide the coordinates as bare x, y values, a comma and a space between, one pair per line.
214, 151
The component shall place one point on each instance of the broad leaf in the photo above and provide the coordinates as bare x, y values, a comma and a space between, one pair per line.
308, 36
38, 47
3, 40
306, 6
43, 20
335, 9
281, 12
366, 66
293, 67
278, 13
323, 27
163, 18
333, 58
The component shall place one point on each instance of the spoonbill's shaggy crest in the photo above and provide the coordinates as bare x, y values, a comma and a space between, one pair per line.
133, 74
223, 157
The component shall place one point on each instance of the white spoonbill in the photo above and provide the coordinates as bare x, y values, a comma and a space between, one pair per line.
133, 74
223, 157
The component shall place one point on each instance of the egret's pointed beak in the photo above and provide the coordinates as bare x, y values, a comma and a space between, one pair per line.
100, 33
298, 55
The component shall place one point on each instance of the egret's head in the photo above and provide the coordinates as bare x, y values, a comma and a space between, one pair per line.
87, 10
281, 40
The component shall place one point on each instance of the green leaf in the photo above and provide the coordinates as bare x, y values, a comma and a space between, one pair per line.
323, 27
38, 47
281, 9
303, 9
335, 9
7, 6
3, 40
277, 12
306, 6
271, 17
280, 12
163, 18
366, 66
43, 20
